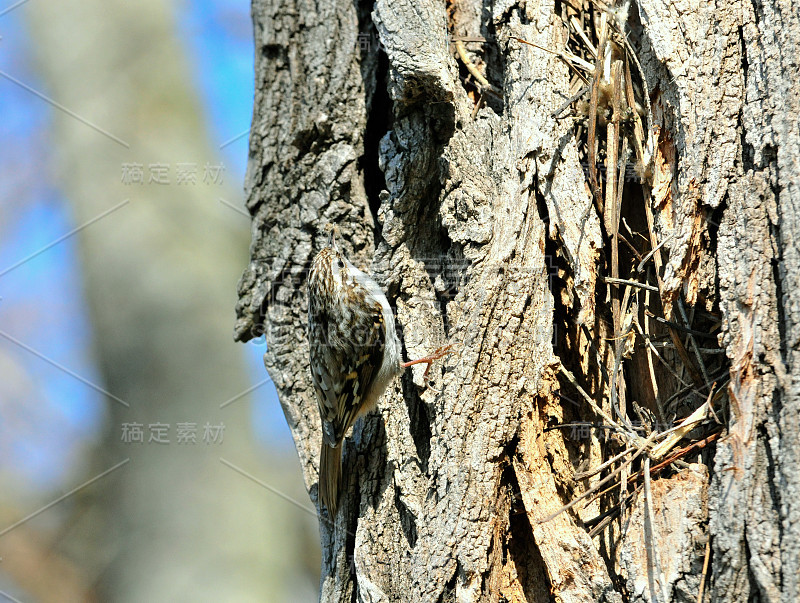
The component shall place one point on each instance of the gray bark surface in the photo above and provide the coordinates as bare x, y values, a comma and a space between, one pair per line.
725, 75
445, 485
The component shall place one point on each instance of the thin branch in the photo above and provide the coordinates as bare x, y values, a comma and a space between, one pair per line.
679, 327
462, 53
705, 571
571, 378
622, 281
585, 474
693, 343
605, 480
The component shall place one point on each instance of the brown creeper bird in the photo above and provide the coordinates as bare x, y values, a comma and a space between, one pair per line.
354, 352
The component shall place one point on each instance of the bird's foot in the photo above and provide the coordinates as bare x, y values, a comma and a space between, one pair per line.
429, 360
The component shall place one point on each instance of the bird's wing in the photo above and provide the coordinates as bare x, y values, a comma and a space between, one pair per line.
346, 351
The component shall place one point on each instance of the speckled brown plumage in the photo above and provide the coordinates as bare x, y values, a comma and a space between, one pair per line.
354, 353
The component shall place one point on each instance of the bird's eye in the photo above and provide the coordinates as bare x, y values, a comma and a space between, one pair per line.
340, 263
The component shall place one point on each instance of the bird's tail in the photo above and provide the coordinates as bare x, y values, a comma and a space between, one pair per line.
330, 475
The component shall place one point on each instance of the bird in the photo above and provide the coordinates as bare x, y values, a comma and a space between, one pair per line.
354, 353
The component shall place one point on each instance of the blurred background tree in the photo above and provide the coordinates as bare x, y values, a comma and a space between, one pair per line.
122, 234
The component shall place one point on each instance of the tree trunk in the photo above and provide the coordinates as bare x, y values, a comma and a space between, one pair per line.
469, 202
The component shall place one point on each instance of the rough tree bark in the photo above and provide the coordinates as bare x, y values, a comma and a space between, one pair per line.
460, 212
